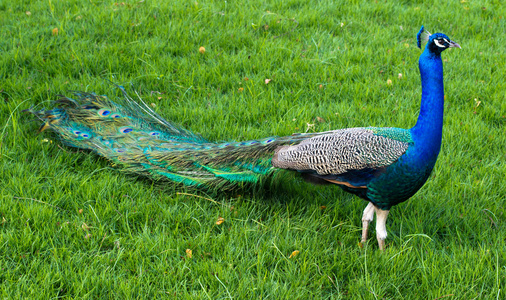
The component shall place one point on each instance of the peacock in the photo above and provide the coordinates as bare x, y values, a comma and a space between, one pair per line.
383, 165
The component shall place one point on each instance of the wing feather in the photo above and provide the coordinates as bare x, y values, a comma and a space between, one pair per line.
339, 151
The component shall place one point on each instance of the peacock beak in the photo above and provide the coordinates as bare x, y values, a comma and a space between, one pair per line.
454, 45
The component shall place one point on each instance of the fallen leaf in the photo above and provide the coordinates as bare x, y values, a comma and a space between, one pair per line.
55, 31
220, 220
80, 211
189, 253
294, 253
309, 126
28, 13
202, 50
476, 104
389, 82
320, 119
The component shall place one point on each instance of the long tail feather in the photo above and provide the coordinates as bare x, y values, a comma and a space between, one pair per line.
134, 137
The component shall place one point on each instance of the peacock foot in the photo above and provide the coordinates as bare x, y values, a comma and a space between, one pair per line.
367, 218
381, 227
381, 230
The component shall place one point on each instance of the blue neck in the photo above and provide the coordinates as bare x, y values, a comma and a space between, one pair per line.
428, 130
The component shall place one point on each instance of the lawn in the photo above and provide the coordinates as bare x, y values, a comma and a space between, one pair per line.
74, 227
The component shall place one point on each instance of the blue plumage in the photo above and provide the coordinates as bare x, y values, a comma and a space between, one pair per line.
384, 171
384, 166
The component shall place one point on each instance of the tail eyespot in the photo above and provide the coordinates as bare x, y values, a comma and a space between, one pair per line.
125, 129
81, 134
104, 112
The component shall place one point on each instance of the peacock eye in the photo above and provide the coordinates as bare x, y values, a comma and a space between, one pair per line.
441, 42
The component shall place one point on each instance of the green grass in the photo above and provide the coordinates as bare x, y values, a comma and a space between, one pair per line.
73, 227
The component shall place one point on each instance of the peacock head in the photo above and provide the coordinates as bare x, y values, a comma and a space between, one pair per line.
436, 43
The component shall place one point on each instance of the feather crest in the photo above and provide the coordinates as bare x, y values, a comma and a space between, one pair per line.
422, 36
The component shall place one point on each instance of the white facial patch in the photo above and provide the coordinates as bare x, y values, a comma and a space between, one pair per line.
438, 44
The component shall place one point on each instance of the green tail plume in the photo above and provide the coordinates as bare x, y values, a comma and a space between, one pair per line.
134, 137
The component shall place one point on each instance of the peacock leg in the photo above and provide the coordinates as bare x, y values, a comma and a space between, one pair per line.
367, 218
381, 227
